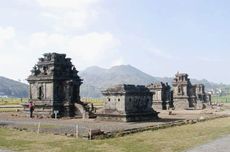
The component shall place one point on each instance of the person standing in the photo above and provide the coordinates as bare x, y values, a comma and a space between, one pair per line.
31, 108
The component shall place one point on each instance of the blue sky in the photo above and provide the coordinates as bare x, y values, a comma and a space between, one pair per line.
158, 37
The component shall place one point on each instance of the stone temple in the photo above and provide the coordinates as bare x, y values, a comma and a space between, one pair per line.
162, 96
54, 85
127, 103
188, 96
183, 96
202, 98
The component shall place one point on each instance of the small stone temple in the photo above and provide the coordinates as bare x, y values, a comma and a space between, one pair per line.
127, 103
54, 86
183, 92
162, 96
200, 94
188, 96
202, 98
208, 97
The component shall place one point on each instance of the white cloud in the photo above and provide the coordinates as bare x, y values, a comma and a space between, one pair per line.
160, 53
93, 46
208, 59
67, 4
85, 50
43, 40
90, 48
118, 61
68, 17
76, 14
6, 34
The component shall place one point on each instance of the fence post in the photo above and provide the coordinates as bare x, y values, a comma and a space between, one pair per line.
39, 125
77, 131
90, 134
83, 115
55, 113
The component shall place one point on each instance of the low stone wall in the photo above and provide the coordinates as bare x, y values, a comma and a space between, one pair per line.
181, 104
128, 117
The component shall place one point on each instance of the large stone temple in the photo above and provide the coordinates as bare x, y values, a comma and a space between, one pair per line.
127, 103
54, 86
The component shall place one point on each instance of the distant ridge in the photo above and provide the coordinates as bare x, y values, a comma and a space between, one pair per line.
95, 79
12, 88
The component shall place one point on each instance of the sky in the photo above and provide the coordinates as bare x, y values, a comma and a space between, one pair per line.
159, 37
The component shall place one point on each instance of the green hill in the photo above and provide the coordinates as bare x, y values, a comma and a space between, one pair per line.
12, 88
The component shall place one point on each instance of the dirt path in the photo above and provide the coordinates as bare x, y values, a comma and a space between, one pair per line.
219, 145
70, 126
4, 150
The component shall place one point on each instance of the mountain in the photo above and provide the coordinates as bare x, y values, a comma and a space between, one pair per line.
12, 88
96, 79
97, 76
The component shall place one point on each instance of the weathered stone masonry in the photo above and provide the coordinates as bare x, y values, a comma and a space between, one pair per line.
162, 96
127, 103
54, 85
186, 95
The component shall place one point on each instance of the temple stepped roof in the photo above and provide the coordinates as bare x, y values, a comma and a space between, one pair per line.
127, 88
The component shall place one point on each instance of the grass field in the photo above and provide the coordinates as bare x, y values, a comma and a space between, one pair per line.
17, 101
10, 109
94, 101
12, 101
174, 139
221, 99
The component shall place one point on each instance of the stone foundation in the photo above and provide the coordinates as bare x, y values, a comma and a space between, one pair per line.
46, 110
181, 104
157, 106
137, 117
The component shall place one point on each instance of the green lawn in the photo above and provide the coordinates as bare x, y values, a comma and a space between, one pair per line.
94, 101
174, 139
12, 101
221, 99
10, 109
17, 101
